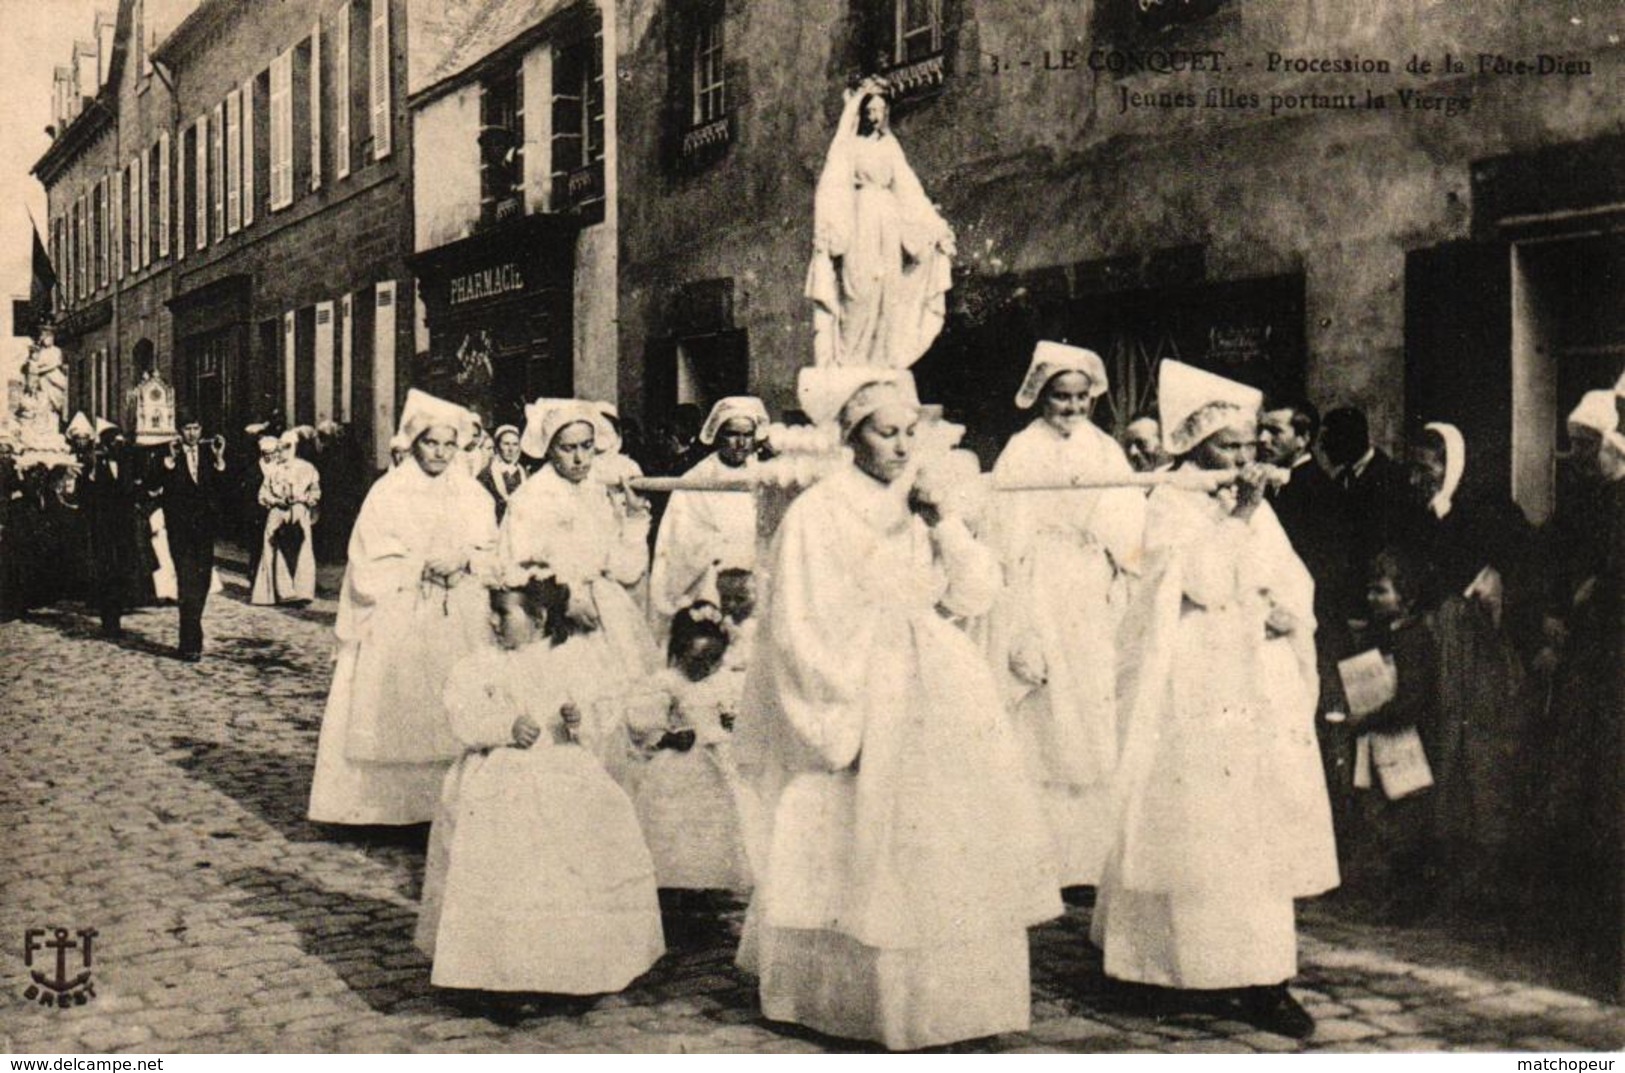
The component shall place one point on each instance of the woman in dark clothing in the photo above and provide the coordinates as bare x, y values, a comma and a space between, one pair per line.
1479, 552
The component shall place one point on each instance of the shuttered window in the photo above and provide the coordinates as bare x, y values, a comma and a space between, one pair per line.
282, 131
341, 92
378, 97
234, 162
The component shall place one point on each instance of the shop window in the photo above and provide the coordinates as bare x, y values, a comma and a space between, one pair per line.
578, 126
502, 147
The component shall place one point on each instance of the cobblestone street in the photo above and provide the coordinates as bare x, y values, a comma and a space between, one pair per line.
162, 803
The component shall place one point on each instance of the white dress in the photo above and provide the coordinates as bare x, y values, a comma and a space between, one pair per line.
1068, 560
701, 534
596, 549
907, 853
1220, 806
701, 820
290, 492
385, 741
537, 876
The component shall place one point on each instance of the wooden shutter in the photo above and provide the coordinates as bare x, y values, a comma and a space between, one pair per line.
282, 131
248, 152
234, 162
324, 361
316, 106
142, 253
341, 92
379, 92
217, 132
202, 162
383, 372
290, 370
346, 355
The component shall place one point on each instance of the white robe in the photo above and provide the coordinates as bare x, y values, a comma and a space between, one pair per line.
1068, 558
610, 469
537, 876
385, 741
1219, 806
701, 534
701, 820
289, 492
907, 853
596, 549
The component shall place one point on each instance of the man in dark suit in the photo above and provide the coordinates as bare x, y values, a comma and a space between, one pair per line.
108, 490
192, 480
1376, 489
1307, 501
1310, 506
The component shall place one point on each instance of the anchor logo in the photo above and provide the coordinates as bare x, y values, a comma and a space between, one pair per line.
60, 990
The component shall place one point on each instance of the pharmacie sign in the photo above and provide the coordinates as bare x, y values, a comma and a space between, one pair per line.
485, 283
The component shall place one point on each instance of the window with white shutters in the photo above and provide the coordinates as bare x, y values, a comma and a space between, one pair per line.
324, 361
181, 186
282, 131
383, 371
290, 370
217, 163
346, 356
163, 194
234, 162
202, 165
316, 106
152, 207
98, 230
115, 241
143, 235
341, 92
378, 96
248, 152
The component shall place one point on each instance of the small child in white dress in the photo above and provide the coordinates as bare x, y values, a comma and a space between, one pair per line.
700, 819
538, 879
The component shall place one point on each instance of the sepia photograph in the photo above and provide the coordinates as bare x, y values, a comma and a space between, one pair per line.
812, 527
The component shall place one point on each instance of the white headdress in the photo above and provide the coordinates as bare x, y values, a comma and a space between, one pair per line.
104, 425
545, 417
81, 426
1596, 412
424, 411
1193, 403
849, 393
748, 407
1052, 359
1455, 464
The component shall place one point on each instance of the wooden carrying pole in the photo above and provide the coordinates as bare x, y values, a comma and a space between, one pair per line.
1190, 479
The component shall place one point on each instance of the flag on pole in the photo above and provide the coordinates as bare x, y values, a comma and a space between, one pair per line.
43, 284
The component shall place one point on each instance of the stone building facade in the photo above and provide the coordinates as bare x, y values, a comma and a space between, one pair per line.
257, 164
513, 108
1204, 180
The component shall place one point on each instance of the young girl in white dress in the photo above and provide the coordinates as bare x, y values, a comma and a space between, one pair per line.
700, 820
538, 879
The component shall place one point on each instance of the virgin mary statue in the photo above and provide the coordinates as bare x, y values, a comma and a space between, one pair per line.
881, 264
